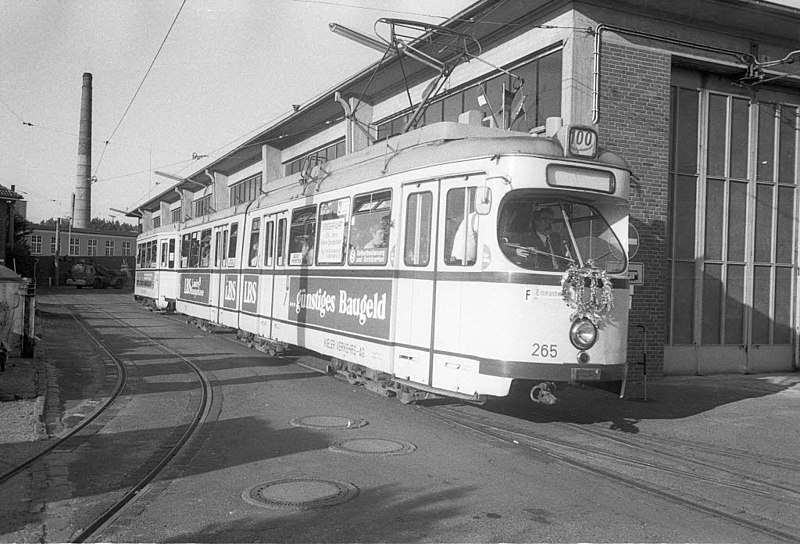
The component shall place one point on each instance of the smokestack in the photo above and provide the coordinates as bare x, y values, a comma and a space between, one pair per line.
83, 187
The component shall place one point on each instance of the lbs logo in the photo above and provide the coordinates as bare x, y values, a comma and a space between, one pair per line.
230, 291
250, 293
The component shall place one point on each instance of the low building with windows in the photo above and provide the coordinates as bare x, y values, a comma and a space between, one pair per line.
698, 97
54, 250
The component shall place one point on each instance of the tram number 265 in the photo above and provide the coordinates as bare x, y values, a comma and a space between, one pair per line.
545, 350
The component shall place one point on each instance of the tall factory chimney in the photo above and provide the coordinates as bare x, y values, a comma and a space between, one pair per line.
83, 187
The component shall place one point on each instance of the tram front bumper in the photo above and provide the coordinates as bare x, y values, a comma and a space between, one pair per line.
554, 372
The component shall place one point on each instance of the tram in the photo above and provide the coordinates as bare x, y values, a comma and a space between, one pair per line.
455, 259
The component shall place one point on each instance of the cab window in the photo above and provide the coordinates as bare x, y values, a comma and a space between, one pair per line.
553, 234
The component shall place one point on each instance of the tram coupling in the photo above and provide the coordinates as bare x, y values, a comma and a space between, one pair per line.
543, 393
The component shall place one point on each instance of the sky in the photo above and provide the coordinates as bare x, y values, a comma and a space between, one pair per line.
226, 69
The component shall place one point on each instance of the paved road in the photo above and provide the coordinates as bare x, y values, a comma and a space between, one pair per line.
282, 440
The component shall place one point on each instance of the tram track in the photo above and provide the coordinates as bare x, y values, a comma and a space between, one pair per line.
626, 469
660, 467
122, 377
693, 452
79, 437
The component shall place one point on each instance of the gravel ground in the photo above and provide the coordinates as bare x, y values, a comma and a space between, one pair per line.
20, 421
21, 403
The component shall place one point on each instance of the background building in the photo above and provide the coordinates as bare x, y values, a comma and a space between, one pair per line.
699, 97
114, 250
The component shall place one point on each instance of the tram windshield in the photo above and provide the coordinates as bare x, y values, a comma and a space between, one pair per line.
552, 235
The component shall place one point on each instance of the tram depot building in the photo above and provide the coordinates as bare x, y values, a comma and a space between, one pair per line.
698, 98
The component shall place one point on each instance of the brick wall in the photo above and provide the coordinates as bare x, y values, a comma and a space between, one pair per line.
634, 122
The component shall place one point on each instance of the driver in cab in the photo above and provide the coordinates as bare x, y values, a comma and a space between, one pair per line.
542, 247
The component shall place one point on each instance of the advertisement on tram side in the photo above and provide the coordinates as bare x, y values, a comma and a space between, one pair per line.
145, 279
249, 292
351, 305
194, 287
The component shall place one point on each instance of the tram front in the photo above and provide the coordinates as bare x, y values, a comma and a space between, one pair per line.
561, 234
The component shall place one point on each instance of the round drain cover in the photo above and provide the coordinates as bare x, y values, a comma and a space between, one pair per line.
299, 494
328, 422
373, 446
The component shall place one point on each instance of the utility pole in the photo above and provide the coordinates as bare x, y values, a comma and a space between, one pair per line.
71, 217
58, 247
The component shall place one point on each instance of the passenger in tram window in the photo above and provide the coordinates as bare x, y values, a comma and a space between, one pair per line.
465, 241
306, 253
254, 253
380, 234
205, 258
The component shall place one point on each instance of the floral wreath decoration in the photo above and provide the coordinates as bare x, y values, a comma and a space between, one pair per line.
596, 302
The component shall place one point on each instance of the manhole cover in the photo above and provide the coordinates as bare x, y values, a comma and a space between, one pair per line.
328, 422
299, 494
373, 446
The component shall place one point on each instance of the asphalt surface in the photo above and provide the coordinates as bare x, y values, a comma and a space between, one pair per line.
444, 486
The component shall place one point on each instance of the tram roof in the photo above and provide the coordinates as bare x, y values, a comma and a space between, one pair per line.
435, 144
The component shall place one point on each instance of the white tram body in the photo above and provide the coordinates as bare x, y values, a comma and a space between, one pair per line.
156, 282
413, 263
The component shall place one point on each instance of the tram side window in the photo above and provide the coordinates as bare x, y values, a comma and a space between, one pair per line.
269, 245
281, 245
194, 250
370, 229
164, 254
302, 236
185, 245
419, 210
232, 241
461, 227
333, 220
205, 248
171, 258
255, 233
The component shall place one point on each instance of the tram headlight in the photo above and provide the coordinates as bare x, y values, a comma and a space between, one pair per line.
582, 334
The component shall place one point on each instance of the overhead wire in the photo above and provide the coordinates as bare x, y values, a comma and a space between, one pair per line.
341, 5
18, 116
169, 30
443, 17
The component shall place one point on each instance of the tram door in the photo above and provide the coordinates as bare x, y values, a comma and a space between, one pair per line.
218, 267
273, 281
416, 287
281, 285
